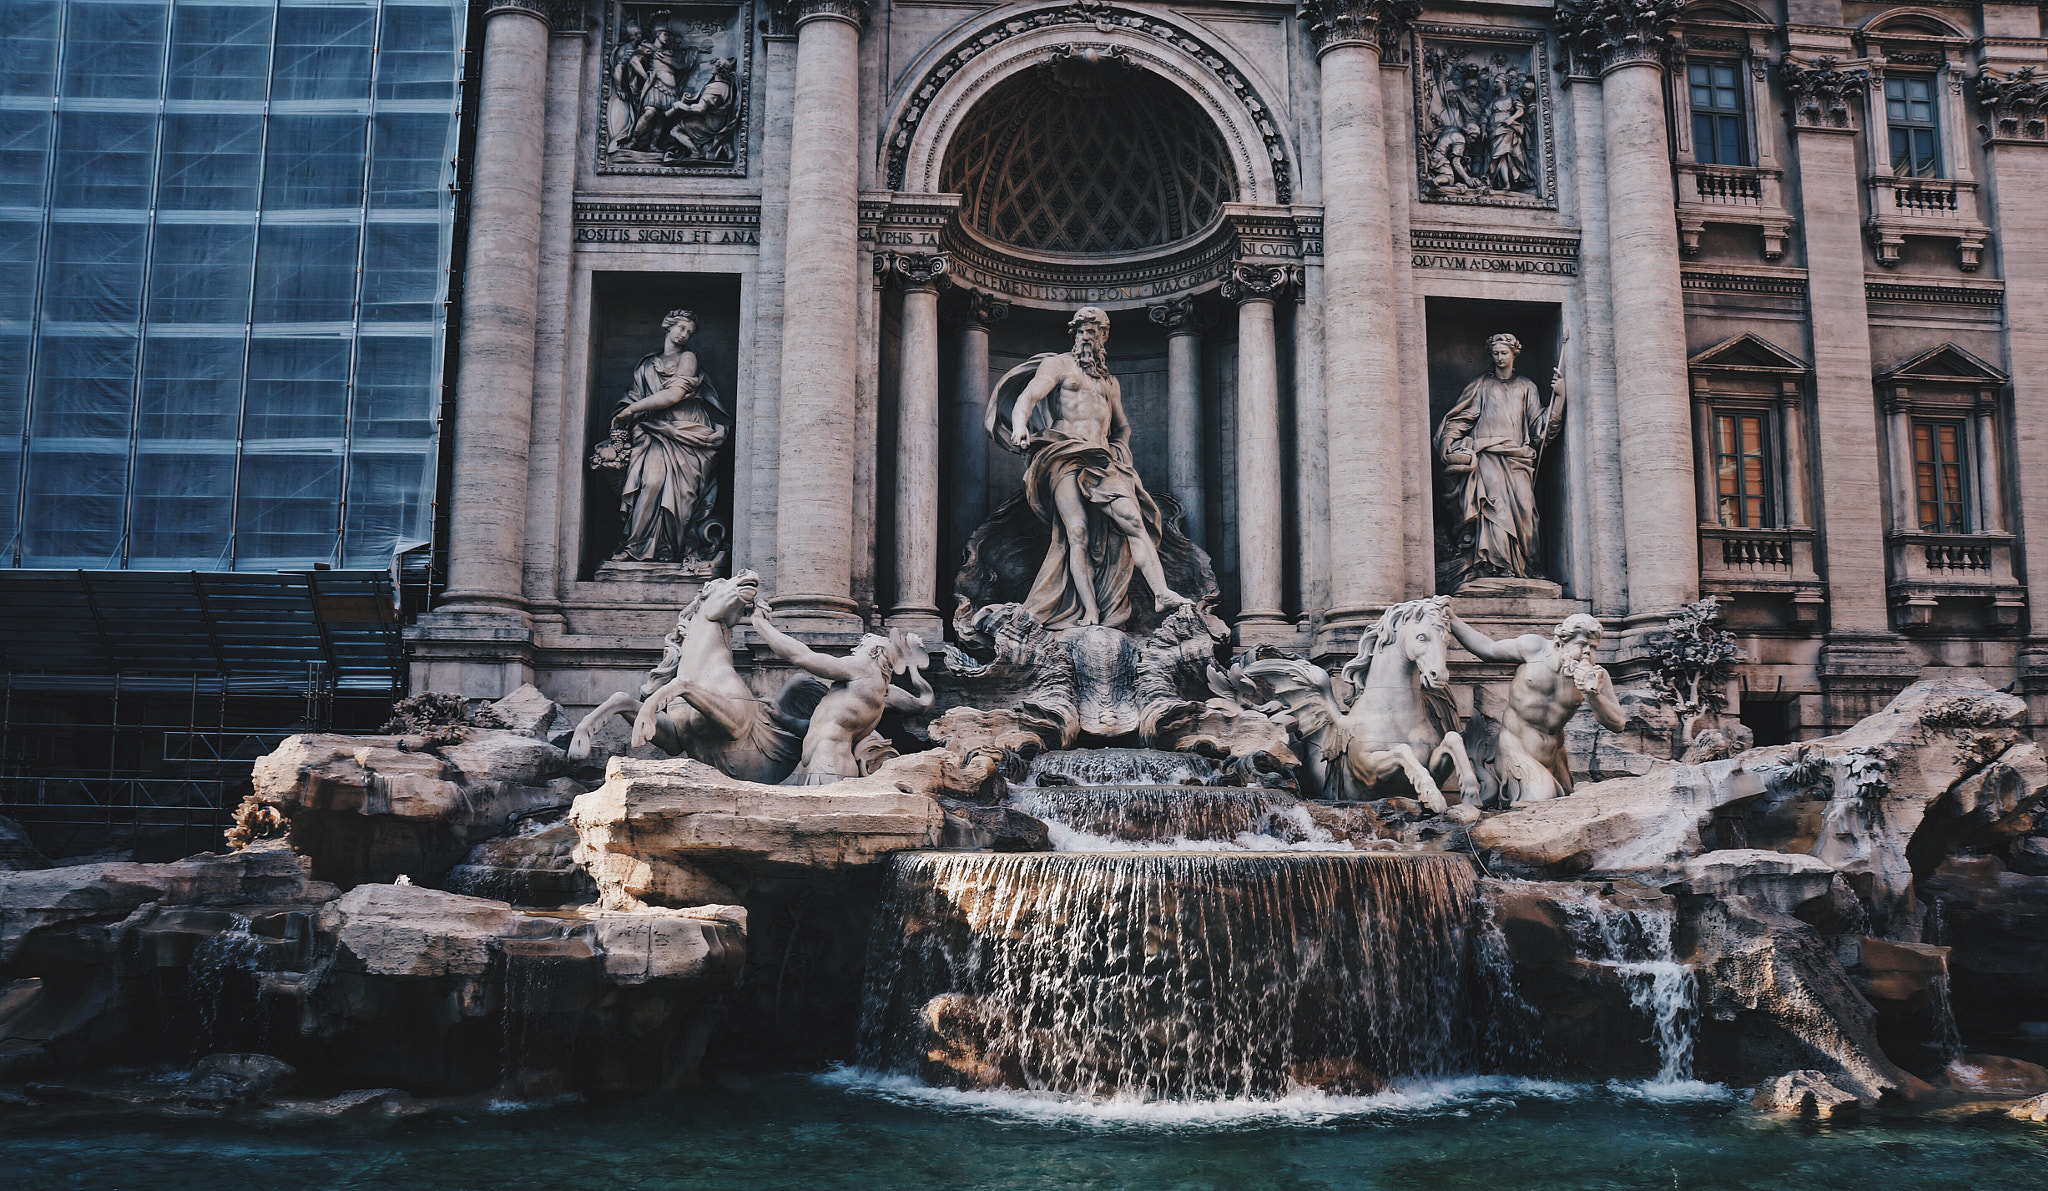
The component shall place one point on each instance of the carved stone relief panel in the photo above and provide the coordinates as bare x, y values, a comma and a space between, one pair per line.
673, 96
1482, 117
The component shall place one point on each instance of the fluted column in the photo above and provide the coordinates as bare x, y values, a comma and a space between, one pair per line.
917, 440
1254, 287
500, 289
1184, 411
820, 330
1627, 39
1368, 563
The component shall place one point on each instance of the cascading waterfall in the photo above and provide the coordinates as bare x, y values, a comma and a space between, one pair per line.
221, 980
1120, 767
1171, 975
1635, 944
1135, 813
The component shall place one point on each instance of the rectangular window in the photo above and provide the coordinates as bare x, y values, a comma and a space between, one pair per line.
1717, 125
1938, 475
1742, 468
1915, 128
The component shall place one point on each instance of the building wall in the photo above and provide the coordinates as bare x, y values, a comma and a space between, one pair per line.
1805, 285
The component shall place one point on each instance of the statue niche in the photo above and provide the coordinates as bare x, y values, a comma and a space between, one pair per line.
1488, 449
661, 455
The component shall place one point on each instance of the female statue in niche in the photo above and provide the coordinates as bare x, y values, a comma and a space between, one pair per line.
1490, 445
666, 434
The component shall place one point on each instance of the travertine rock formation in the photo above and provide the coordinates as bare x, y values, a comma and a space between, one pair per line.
372, 808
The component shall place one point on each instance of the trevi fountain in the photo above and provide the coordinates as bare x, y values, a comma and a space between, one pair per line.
1089, 860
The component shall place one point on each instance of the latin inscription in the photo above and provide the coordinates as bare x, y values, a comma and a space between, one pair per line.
1495, 264
666, 235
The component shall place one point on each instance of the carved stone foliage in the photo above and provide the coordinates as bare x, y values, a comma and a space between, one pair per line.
964, 305
1482, 118
1250, 280
786, 15
2015, 107
1091, 14
1820, 93
1600, 34
673, 96
1381, 23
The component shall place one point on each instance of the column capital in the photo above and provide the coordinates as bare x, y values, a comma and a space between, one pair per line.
1376, 24
1175, 314
2015, 107
539, 10
967, 306
1608, 34
911, 270
1819, 92
791, 14
1259, 281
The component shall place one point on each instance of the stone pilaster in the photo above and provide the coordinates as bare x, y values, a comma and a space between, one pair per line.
1862, 662
1184, 477
2012, 99
820, 339
972, 312
482, 625
1625, 41
917, 439
1368, 562
1255, 286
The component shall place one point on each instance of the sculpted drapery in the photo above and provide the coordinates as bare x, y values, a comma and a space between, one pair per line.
673, 425
1490, 444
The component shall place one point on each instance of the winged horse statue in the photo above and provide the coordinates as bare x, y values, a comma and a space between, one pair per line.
1402, 721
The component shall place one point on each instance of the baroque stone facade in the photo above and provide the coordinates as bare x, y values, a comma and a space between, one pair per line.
1774, 257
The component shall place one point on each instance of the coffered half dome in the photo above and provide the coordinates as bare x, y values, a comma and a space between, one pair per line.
1088, 155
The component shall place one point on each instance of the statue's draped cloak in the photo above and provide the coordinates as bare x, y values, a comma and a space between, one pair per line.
671, 486
1103, 475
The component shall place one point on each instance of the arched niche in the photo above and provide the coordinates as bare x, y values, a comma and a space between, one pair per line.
960, 74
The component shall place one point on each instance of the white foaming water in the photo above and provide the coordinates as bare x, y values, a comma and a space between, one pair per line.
1068, 839
1635, 944
1437, 1097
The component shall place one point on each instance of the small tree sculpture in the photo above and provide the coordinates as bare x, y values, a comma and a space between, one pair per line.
1692, 663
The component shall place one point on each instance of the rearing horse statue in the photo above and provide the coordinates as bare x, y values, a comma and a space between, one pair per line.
1403, 712
696, 704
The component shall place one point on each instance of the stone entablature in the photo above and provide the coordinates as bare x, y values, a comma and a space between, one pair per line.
707, 224
1490, 252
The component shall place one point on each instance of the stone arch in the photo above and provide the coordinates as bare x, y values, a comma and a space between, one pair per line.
1911, 23
963, 71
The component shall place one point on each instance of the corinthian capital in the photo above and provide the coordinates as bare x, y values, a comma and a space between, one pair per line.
1377, 23
1610, 33
789, 14
974, 307
2015, 107
1820, 92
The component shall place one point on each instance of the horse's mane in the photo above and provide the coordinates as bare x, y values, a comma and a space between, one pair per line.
672, 645
1443, 710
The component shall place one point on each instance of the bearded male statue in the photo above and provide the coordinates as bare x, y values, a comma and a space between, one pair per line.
1081, 482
